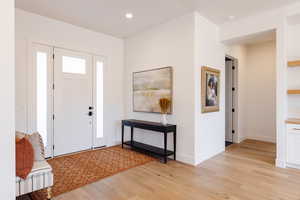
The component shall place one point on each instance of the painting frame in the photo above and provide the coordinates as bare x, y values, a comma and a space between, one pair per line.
204, 89
171, 89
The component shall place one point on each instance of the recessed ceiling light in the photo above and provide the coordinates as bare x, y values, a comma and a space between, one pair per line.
231, 17
129, 15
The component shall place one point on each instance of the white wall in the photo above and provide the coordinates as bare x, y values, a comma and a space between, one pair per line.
209, 127
186, 44
170, 44
7, 99
261, 92
35, 28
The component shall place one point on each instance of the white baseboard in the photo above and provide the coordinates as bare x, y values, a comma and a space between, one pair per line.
262, 138
185, 159
202, 159
293, 165
115, 143
280, 163
241, 139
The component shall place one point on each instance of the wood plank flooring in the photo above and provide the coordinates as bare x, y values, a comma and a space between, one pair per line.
244, 172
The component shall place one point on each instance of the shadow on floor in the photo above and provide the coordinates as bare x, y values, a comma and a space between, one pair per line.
228, 143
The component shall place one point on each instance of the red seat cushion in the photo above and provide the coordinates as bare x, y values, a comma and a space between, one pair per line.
24, 157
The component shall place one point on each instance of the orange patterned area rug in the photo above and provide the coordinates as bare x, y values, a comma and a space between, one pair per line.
77, 170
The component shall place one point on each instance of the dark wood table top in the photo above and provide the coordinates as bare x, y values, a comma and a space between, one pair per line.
148, 125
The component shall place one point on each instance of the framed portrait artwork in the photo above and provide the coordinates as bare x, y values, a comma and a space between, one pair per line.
149, 87
210, 89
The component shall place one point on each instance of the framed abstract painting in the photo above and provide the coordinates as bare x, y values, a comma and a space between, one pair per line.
149, 87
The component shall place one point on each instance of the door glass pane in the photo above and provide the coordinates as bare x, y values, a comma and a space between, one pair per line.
41, 65
73, 65
99, 71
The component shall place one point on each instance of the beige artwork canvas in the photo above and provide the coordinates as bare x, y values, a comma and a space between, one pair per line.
149, 87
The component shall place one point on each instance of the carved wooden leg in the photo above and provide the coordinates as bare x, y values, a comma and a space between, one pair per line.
49, 193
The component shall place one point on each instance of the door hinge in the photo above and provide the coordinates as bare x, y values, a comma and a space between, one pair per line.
233, 67
53, 87
53, 117
233, 131
233, 110
233, 89
53, 147
53, 56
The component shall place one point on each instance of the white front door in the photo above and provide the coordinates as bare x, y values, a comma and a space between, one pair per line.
73, 101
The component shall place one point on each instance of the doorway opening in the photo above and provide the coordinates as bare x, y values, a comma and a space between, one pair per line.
251, 91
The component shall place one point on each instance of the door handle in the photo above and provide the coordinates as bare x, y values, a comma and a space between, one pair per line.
90, 113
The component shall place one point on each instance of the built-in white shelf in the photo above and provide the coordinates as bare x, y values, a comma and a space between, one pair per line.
293, 121
293, 91
294, 63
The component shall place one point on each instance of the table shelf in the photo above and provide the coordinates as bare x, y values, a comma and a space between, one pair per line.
149, 148
151, 126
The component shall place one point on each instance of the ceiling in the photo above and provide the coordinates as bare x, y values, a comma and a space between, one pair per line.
108, 16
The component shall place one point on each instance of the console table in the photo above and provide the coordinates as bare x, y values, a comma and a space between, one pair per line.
152, 126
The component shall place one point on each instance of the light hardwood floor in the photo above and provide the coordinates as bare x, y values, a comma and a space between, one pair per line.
244, 171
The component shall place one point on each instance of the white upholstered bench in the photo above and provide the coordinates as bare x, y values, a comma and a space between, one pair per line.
40, 177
